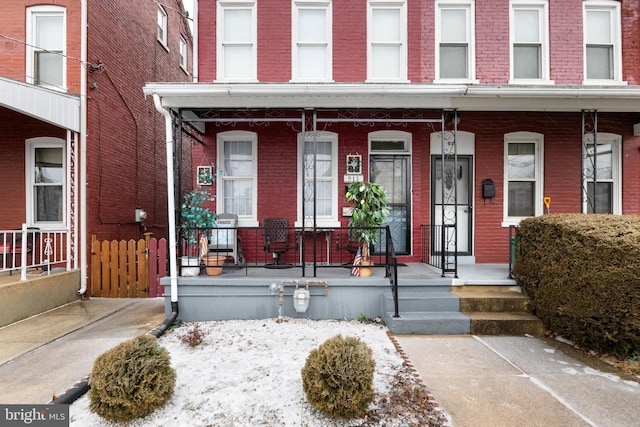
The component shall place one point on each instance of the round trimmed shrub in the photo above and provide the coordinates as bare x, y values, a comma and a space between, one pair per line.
131, 380
337, 377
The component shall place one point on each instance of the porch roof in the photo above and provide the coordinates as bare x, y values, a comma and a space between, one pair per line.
397, 96
59, 109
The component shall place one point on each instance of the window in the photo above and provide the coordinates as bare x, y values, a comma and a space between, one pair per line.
46, 173
162, 26
46, 41
237, 175
236, 38
387, 40
602, 174
312, 57
325, 171
529, 40
603, 55
455, 57
183, 53
523, 175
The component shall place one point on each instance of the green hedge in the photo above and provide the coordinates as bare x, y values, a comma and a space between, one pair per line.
583, 274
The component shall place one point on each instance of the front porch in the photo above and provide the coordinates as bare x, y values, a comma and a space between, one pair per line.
426, 303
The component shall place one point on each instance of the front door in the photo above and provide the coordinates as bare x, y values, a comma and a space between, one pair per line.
392, 172
457, 199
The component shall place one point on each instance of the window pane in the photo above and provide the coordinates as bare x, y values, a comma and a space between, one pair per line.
48, 203
48, 167
522, 161
49, 32
454, 26
521, 198
237, 62
453, 62
238, 197
604, 198
386, 61
600, 62
312, 26
526, 62
386, 25
604, 162
238, 160
527, 26
312, 62
48, 69
599, 27
388, 146
237, 26
323, 159
323, 199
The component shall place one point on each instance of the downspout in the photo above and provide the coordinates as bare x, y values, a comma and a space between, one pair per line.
171, 206
83, 151
194, 33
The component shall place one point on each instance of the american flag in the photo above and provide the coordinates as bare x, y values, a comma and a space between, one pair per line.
355, 271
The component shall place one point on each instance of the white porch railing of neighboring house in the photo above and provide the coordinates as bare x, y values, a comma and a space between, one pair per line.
35, 251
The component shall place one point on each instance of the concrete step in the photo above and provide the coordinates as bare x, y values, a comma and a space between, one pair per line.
427, 301
428, 323
514, 324
492, 299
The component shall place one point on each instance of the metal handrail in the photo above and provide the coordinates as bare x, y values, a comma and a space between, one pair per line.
391, 268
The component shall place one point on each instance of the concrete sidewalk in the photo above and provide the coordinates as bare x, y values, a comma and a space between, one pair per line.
521, 381
44, 355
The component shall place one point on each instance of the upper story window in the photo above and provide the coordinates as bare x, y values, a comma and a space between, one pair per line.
455, 50
46, 46
236, 41
237, 175
523, 154
601, 183
46, 177
183, 53
603, 46
387, 40
319, 176
529, 40
162, 26
311, 41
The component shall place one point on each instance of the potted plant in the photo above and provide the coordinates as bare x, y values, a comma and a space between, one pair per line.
370, 209
196, 222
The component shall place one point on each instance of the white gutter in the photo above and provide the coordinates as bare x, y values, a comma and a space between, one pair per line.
83, 151
194, 33
171, 203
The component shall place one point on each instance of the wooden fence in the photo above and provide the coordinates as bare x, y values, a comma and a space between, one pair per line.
128, 269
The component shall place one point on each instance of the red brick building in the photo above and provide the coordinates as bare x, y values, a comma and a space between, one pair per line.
79, 139
436, 97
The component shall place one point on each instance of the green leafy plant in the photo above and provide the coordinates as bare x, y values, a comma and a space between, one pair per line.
370, 210
196, 218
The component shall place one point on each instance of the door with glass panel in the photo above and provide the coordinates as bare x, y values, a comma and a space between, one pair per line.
392, 172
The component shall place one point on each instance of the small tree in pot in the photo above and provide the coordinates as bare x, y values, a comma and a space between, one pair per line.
196, 221
370, 209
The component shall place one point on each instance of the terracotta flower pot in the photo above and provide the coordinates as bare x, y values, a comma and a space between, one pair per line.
213, 264
366, 268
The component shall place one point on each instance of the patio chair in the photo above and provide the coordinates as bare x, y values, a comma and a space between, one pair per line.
12, 250
346, 242
276, 240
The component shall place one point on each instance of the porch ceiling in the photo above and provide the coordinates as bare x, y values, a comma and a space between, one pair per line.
397, 96
53, 107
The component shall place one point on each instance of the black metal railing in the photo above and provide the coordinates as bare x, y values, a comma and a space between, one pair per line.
436, 248
392, 270
297, 247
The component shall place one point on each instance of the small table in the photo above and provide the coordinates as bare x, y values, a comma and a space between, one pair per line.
302, 235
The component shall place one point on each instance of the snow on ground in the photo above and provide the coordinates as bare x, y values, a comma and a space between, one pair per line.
247, 373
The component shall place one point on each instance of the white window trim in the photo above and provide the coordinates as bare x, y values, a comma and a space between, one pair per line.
616, 173
184, 54
542, 6
470, 6
31, 49
322, 221
524, 137
237, 135
165, 24
30, 147
613, 6
223, 6
311, 4
391, 135
388, 4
